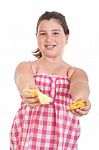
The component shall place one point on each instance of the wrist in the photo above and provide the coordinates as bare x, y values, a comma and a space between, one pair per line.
76, 98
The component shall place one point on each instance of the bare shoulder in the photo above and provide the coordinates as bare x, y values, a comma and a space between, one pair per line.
22, 66
26, 67
79, 74
79, 71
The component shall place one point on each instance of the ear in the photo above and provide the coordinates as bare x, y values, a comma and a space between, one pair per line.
66, 39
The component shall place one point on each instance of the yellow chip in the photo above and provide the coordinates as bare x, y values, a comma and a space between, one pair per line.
78, 104
44, 99
33, 91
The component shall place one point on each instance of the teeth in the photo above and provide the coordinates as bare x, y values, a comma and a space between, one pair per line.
49, 46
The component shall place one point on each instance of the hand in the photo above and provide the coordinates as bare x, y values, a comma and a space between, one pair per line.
82, 111
29, 99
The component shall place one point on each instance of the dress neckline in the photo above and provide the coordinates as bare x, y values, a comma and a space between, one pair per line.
52, 75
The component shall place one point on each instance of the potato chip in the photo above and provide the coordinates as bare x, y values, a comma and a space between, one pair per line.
33, 91
44, 99
78, 104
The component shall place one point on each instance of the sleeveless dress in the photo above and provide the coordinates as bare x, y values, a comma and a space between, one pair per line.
50, 126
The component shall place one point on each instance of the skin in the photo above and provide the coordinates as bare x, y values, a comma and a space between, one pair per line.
51, 41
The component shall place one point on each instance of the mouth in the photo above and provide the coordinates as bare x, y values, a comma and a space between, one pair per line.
49, 47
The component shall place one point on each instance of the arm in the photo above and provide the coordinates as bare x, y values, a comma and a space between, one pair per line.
79, 89
24, 79
24, 76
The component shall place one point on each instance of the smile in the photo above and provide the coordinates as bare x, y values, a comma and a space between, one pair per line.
50, 46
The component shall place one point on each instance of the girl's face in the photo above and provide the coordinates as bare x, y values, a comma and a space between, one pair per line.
51, 38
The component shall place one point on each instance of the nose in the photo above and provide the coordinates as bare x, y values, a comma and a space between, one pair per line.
48, 38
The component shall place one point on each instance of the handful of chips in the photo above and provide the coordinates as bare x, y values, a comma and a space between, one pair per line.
44, 99
78, 104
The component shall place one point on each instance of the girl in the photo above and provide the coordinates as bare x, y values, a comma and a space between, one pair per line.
51, 126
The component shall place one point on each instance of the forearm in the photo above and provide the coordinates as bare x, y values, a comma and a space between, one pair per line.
79, 90
24, 81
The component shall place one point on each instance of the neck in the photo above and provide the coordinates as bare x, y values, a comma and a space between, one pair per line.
52, 60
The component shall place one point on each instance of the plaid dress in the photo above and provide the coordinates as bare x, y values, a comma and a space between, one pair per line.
50, 126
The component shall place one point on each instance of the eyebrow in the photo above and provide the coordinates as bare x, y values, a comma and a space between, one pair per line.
51, 30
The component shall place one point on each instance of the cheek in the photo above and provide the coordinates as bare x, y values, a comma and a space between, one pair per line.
61, 40
62, 43
39, 41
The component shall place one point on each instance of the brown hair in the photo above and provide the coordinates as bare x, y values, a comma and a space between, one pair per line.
47, 16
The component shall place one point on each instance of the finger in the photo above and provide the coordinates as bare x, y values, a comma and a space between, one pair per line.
34, 105
87, 107
31, 104
31, 100
81, 112
28, 95
88, 103
76, 113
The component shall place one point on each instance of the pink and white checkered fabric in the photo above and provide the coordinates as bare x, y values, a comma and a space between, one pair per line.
47, 127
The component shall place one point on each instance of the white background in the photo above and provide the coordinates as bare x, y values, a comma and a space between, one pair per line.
18, 20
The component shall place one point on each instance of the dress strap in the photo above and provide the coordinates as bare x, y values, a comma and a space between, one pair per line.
34, 67
70, 71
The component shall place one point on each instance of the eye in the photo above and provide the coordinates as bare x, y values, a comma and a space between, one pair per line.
56, 33
42, 33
